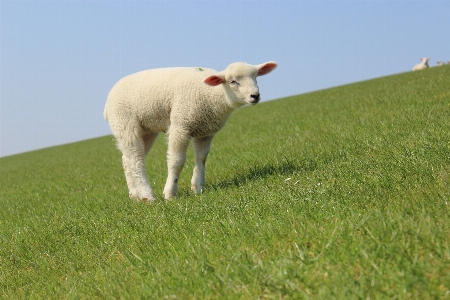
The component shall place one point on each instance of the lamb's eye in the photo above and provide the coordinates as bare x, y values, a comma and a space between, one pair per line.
234, 82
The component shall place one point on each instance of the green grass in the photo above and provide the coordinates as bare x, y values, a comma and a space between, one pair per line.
341, 193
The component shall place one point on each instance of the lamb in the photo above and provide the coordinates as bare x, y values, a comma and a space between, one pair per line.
440, 63
422, 65
184, 102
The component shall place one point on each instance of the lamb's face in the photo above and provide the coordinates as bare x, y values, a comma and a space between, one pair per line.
239, 81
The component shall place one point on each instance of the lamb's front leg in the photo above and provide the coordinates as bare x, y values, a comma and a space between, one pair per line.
176, 157
201, 148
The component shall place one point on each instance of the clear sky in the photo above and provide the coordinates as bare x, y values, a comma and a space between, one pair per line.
59, 59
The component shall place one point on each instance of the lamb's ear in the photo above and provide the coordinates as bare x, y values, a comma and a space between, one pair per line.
266, 68
214, 80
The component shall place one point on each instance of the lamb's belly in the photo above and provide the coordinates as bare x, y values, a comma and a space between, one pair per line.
201, 129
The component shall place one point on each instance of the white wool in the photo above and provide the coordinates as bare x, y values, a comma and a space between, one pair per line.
185, 102
422, 65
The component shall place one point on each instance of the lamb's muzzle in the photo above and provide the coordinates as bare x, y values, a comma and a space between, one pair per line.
255, 98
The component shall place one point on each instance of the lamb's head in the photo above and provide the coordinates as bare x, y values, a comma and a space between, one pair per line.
425, 60
239, 81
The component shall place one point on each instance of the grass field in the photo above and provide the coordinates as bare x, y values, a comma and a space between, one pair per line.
341, 193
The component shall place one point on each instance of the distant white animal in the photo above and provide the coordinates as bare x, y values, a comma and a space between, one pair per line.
422, 65
440, 63
185, 102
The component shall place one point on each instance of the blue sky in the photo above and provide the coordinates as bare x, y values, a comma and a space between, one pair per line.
59, 59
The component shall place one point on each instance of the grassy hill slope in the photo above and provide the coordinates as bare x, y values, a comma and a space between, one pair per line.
340, 193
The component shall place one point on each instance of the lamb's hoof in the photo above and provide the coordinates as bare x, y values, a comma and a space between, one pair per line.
196, 189
145, 199
169, 197
148, 200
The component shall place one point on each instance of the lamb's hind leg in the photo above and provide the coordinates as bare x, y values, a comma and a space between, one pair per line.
201, 149
132, 188
176, 157
134, 166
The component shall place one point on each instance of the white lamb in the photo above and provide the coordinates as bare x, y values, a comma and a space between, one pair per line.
185, 102
422, 65
440, 63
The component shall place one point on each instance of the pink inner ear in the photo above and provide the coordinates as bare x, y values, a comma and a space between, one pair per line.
213, 80
267, 68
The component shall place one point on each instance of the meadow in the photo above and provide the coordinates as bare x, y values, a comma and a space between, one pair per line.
337, 194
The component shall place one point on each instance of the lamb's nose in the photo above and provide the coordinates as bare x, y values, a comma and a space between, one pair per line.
255, 97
